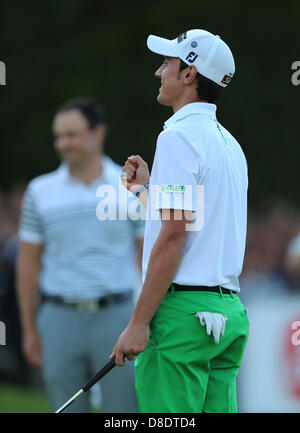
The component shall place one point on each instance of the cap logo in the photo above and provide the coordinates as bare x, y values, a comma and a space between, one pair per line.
191, 57
226, 79
194, 44
181, 37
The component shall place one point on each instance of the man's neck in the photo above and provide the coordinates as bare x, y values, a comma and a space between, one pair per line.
87, 171
185, 101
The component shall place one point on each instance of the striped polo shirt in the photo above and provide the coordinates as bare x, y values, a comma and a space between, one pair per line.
84, 257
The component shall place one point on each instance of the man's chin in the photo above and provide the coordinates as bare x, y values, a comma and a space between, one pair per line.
71, 159
161, 100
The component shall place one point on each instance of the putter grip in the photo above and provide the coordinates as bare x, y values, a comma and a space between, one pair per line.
99, 375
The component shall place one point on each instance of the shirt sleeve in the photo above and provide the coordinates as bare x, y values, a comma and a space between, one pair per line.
30, 229
178, 170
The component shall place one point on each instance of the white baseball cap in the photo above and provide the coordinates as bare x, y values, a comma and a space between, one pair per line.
209, 53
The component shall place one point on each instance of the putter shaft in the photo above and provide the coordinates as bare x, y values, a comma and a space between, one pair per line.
69, 402
89, 384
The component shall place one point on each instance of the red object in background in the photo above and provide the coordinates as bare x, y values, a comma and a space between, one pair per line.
292, 355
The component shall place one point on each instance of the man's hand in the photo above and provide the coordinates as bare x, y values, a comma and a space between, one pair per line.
133, 340
32, 348
135, 173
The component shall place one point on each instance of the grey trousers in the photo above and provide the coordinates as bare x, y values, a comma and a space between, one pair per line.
76, 344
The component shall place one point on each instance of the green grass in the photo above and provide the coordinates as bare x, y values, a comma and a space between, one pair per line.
14, 399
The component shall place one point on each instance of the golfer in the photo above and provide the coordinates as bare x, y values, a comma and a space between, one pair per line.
84, 268
189, 327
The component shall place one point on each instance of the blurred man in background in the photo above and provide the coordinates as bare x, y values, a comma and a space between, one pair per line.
84, 269
292, 261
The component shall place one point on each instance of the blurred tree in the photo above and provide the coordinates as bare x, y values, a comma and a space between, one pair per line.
55, 50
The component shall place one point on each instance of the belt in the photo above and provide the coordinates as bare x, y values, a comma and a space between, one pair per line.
216, 289
89, 304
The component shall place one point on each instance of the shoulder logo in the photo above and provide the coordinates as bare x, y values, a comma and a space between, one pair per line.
173, 188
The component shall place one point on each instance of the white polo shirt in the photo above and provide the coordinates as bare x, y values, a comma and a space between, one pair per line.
199, 166
83, 257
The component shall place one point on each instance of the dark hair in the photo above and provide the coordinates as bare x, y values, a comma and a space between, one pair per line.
207, 89
90, 109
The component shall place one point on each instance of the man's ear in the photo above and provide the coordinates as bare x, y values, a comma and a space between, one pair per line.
190, 74
100, 132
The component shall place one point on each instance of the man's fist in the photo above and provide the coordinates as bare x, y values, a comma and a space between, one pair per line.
136, 173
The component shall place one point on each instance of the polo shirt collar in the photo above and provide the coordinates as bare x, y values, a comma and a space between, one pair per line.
192, 108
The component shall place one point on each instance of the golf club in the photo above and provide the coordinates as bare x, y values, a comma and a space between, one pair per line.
89, 384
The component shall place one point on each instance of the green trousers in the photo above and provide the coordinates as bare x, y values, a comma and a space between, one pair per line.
182, 369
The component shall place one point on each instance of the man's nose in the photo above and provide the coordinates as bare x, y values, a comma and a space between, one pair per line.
158, 72
62, 142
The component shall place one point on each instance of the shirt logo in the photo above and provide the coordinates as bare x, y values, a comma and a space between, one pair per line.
181, 37
191, 57
172, 188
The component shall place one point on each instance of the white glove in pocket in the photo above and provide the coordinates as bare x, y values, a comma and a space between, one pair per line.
215, 323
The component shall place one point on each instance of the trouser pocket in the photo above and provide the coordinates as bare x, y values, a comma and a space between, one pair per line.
152, 339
